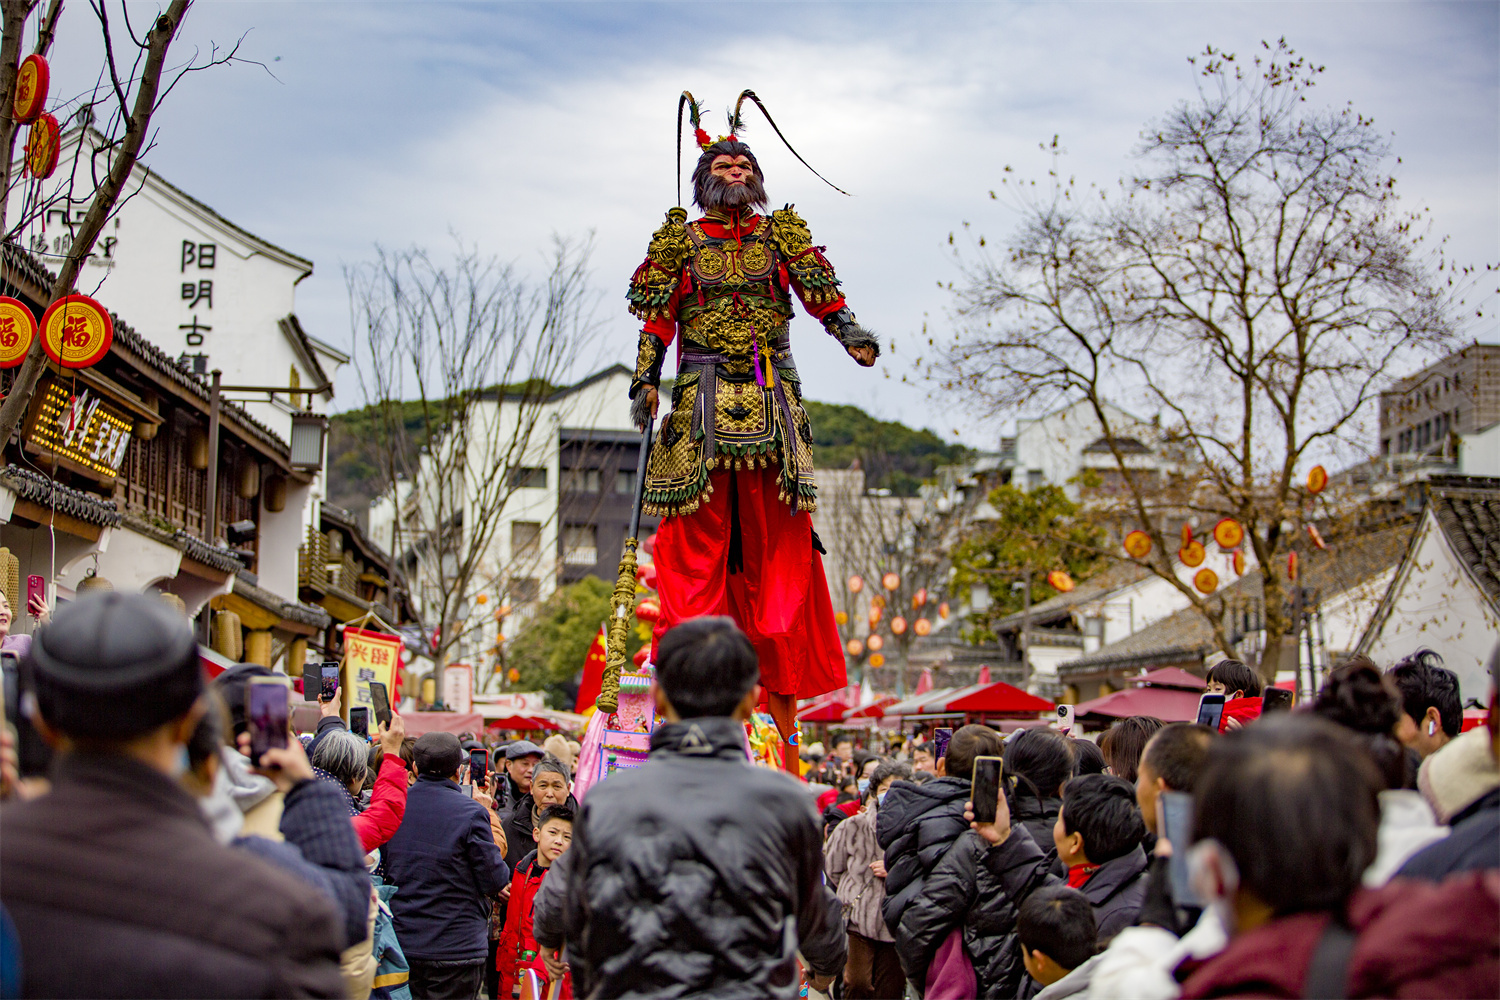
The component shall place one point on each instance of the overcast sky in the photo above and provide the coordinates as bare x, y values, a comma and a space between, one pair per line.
398, 123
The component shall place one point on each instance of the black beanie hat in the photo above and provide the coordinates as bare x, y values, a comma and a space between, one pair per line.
114, 666
437, 754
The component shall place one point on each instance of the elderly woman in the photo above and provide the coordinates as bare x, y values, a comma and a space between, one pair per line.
343, 758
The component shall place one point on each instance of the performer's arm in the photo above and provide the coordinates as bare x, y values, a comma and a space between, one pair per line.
812, 277
648, 361
655, 293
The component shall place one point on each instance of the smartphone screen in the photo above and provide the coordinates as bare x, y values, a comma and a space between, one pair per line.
329, 671
1174, 818
312, 682
985, 793
382, 702
1211, 710
940, 738
1274, 699
359, 721
479, 767
267, 710
1065, 718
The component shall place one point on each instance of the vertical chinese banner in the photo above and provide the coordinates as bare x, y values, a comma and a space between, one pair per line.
369, 656
458, 687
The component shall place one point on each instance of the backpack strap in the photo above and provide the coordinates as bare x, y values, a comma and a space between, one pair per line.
1328, 972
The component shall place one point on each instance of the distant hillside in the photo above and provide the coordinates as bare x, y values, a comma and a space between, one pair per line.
894, 456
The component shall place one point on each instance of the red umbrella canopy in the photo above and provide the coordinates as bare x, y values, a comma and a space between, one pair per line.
1172, 677
1001, 698
1167, 704
874, 710
826, 710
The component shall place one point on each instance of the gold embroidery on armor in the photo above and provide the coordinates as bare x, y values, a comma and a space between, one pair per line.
710, 262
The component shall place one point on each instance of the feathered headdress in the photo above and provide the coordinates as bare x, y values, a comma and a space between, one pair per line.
736, 121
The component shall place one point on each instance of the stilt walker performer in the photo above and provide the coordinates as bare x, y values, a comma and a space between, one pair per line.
731, 471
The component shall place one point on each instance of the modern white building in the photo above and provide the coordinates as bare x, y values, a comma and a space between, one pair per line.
1056, 447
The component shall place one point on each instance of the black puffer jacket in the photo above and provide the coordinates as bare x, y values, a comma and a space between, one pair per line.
695, 875
915, 827
1039, 817
962, 892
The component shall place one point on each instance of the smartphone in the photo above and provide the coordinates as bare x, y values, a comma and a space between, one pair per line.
312, 683
1065, 718
1211, 710
33, 755
1174, 819
940, 738
479, 765
267, 711
1274, 699
36, 590
381, 699
329, 672
359, 721
985, 792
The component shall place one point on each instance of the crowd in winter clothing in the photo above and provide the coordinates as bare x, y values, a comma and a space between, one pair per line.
1346, 847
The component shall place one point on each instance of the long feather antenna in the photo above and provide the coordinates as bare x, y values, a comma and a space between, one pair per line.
750, 95
695, 117
736, 122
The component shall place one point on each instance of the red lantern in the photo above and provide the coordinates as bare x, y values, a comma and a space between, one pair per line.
42, 146
840, 618
944, 611
875, 613
31, 89
1317, 537
898, 625
890, 581
17, 331
878, 660
854, 647
639, 658
1291, 567
1239, 562
647, 575
1228, 533
649, 543
1138, 544
921, 626
856, 584
1317, 479
76, 331
876, 644
1192, 554
920, 599
648, 611
1060, 581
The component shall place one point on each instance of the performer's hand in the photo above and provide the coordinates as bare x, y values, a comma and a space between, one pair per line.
864, 355
652, 400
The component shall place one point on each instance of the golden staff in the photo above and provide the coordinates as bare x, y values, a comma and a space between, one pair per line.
622, 608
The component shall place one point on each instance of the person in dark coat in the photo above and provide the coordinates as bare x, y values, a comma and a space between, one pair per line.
1098, 838
444, 861
114, 879
917, 824
696, 874
550, 784
1041, 761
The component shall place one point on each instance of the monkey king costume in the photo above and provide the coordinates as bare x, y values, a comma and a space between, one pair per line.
731, 471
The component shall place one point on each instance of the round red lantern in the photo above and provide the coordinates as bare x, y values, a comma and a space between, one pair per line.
921, 626
17, 331
32, 79
43, 143
898, 625
856, 584
890, 581
876, 643
76, 331
648, 611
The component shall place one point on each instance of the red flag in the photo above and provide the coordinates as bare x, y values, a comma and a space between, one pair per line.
593, 674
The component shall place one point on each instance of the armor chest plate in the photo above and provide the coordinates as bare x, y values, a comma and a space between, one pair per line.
730, 263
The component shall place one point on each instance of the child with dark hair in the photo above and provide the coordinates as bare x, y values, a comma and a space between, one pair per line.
1430, 702
1087, 757
1057, 933
1241, 688
517, 950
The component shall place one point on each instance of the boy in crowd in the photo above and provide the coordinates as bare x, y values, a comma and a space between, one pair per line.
1432, 711
1241, 688
518, 950
1171, 763
1056, 930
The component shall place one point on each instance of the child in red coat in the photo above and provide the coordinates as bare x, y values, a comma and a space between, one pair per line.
517, 950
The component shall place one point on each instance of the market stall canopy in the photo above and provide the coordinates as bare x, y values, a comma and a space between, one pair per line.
874, 710
1171, 677
418, 723
1165, 703
1000, 698
824, 710
525, 723
935, 704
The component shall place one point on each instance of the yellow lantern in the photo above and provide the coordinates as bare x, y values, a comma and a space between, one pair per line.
841, 618
877, 660
482, 599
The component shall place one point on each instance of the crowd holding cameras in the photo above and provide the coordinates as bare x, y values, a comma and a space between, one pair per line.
184, 843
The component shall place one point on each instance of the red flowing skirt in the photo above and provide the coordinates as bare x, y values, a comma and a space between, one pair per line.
780, 598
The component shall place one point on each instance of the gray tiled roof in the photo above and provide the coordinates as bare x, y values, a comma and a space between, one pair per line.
38, 489
1467, 508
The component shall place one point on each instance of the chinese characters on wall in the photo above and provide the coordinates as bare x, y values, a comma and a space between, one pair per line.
197, 293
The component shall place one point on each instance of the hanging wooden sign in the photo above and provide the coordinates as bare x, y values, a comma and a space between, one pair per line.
43, 143
17, 331
76, 331
31, 89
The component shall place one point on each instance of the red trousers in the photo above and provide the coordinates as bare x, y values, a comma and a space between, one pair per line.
779, 598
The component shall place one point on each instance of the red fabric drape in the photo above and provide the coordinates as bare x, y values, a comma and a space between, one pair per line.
781, 596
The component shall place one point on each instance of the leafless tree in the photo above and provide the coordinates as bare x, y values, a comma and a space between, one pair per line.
458, 361
1256, 283
116, 114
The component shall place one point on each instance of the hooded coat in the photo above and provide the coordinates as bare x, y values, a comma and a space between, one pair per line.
916, 826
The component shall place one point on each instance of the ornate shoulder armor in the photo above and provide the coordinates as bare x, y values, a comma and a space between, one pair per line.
654, 281
808, 267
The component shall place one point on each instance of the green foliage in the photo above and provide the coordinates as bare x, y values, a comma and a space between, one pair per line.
550, 652
1037, 529
894, 456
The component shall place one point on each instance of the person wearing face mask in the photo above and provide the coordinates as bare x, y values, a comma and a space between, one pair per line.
114, 880
855, 866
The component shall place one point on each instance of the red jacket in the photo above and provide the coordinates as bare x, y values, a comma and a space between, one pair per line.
517, 937
378, 823
1414, 939
1246, 710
